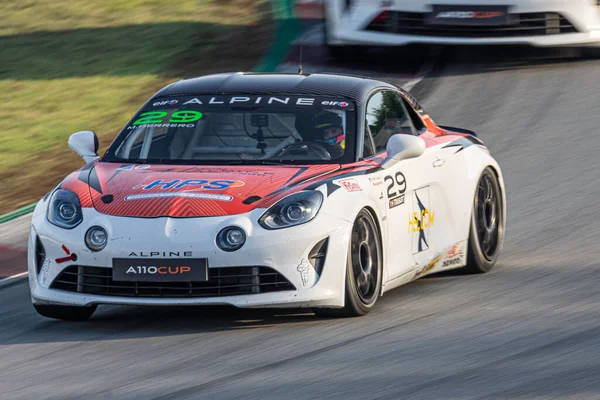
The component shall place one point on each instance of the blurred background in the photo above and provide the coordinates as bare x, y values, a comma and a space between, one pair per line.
527, 330
76, 64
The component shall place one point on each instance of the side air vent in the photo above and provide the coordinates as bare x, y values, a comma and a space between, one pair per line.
317, 255
40, 255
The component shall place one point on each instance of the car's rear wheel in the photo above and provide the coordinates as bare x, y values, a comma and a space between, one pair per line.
363, 269
487, 224
67, 313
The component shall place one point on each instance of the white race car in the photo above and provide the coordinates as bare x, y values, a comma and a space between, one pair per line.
352, 23
266, 190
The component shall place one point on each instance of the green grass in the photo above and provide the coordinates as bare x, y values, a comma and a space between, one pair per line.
71, 65
77, 64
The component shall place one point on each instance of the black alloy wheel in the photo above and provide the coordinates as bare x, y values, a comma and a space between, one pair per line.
487, 224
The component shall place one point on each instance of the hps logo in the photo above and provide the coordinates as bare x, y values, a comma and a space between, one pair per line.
207, 184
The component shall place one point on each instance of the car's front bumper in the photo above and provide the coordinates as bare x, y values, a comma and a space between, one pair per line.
282, 250
349, 27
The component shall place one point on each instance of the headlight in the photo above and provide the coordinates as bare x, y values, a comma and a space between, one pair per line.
64, 209
96, 238
231, 238
293, 210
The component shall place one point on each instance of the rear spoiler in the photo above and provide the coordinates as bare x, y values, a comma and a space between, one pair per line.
459, 130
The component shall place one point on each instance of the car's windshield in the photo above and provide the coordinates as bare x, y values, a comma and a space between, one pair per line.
238, 129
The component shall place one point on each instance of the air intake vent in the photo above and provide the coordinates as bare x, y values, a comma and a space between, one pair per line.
232, 281
40, 254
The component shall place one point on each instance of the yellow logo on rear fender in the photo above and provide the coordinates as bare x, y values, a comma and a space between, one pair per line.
418, 221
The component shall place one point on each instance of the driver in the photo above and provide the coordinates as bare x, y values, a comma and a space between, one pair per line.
328, 127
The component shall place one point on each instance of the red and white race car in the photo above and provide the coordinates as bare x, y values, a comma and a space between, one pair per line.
266, 190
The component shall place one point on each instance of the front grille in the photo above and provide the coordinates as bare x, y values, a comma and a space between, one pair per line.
530, 24
232, 281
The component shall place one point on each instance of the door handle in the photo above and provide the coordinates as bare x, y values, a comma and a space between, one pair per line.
439, 162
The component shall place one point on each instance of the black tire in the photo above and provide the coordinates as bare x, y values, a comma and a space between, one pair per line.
363, 270
67, 313
487, 225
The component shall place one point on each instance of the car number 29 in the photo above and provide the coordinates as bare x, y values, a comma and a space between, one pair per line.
396, 185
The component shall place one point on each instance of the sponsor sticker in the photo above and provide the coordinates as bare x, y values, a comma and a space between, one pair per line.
335, 103
350, 185
455, 255
212, 170
457, 250
470, 14
270, 100
160, 270
206, 184
451, 262
397, 201
163, 254
428, 267
421, 220
165, 103
45, 270
376, 181
304, 269
205, 196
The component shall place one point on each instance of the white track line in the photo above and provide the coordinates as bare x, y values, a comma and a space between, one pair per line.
12, 279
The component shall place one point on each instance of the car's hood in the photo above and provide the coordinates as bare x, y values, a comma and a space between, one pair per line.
191, 191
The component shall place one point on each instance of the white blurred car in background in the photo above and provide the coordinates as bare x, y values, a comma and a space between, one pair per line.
355, 23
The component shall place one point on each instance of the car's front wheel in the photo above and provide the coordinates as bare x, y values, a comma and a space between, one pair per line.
363, 269
67, 313
487, 224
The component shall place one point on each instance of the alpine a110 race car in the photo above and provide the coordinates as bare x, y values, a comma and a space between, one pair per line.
352, 23
266, 190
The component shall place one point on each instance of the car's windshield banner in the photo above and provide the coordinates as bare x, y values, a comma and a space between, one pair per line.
186, 102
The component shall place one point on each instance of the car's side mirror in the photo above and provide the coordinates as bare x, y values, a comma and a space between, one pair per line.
401, 147
85, 144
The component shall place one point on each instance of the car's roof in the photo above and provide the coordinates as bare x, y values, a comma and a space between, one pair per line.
349, 86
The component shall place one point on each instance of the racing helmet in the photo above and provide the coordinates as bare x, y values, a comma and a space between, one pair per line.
328, 127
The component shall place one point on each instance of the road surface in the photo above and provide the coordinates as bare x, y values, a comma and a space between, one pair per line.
530, 329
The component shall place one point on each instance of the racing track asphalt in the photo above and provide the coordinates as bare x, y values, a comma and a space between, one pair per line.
530, 329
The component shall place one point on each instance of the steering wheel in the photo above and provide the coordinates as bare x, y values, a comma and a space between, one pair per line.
317, 147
